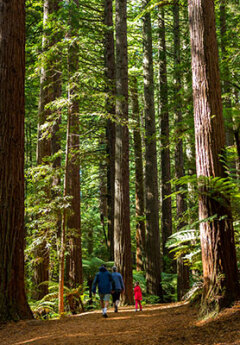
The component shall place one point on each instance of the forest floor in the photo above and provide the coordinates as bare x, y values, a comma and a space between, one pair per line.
168, 324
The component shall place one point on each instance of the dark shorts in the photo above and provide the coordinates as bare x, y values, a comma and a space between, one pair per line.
116, 295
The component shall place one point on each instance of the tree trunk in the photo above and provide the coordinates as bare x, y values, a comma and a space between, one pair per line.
217, 236
182, 269
139, 184
122, 237
109, 62
55, 133
13, 301
63, 234
165, 150
73, 168
153, 259
44, 148
103, 198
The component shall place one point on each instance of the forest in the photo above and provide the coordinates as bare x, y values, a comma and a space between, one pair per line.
119, 145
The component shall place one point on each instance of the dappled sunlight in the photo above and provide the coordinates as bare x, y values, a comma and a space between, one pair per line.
51, 338
170, 324
119, 318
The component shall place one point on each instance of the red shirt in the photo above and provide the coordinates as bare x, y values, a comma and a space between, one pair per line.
137, 293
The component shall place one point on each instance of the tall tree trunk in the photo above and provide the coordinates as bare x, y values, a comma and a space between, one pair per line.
73, 167
63, 233
182, 269
44, 147
153, 259
109, 62
122, 237
13, 302
217, 236
165, 150
226, 88
55, 133
103, 198
139, 184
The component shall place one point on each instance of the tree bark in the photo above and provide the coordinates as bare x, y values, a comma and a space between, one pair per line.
217, 236
139, 184
44, 149
73, 167
182, 269
109, 62
13, 301
166, 203
55, 132
153, 259
103, 198
122, 237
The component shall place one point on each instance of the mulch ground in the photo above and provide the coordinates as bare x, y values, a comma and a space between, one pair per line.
169, 324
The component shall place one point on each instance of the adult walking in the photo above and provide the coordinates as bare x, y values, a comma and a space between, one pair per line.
105, 286
118, 289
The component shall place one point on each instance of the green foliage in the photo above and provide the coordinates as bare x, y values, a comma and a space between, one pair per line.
87, 33
169, 287
91, 266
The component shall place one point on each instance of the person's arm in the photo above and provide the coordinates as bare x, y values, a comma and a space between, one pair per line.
94, 285
112, 281
122, 283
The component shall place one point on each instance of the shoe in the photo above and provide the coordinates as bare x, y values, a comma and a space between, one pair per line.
136, 310
115, 309
140, 309
105, 315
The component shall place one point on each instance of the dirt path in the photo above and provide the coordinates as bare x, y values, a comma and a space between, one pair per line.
170, 324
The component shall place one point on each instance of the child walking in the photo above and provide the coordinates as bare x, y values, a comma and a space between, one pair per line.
137, 296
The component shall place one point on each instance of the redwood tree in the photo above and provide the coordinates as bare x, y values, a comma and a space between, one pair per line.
166, 203
122, 238
44, 149
217, 236
73, 162
153, 263
182, 269
109, 64
139, 183
13, 302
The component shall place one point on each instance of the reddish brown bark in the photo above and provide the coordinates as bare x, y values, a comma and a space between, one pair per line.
109, 62
122, 238
217, 236
166, 203
139, 184
153, 259
13, 302
73, 169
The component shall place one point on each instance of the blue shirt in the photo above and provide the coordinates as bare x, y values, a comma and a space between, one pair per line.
118, 280
104, 281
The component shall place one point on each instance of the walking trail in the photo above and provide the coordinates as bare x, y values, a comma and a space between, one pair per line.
166, 324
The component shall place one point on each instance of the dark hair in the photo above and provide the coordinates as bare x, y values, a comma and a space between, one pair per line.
103, 265
114, 268
137, 283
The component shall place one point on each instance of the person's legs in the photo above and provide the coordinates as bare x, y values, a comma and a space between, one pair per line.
140, 305
102, 302
114, 297
136, 304
117, 297
106, 301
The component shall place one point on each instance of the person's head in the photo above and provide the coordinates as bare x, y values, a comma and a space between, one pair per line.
114, 269
103, 268
136, 283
